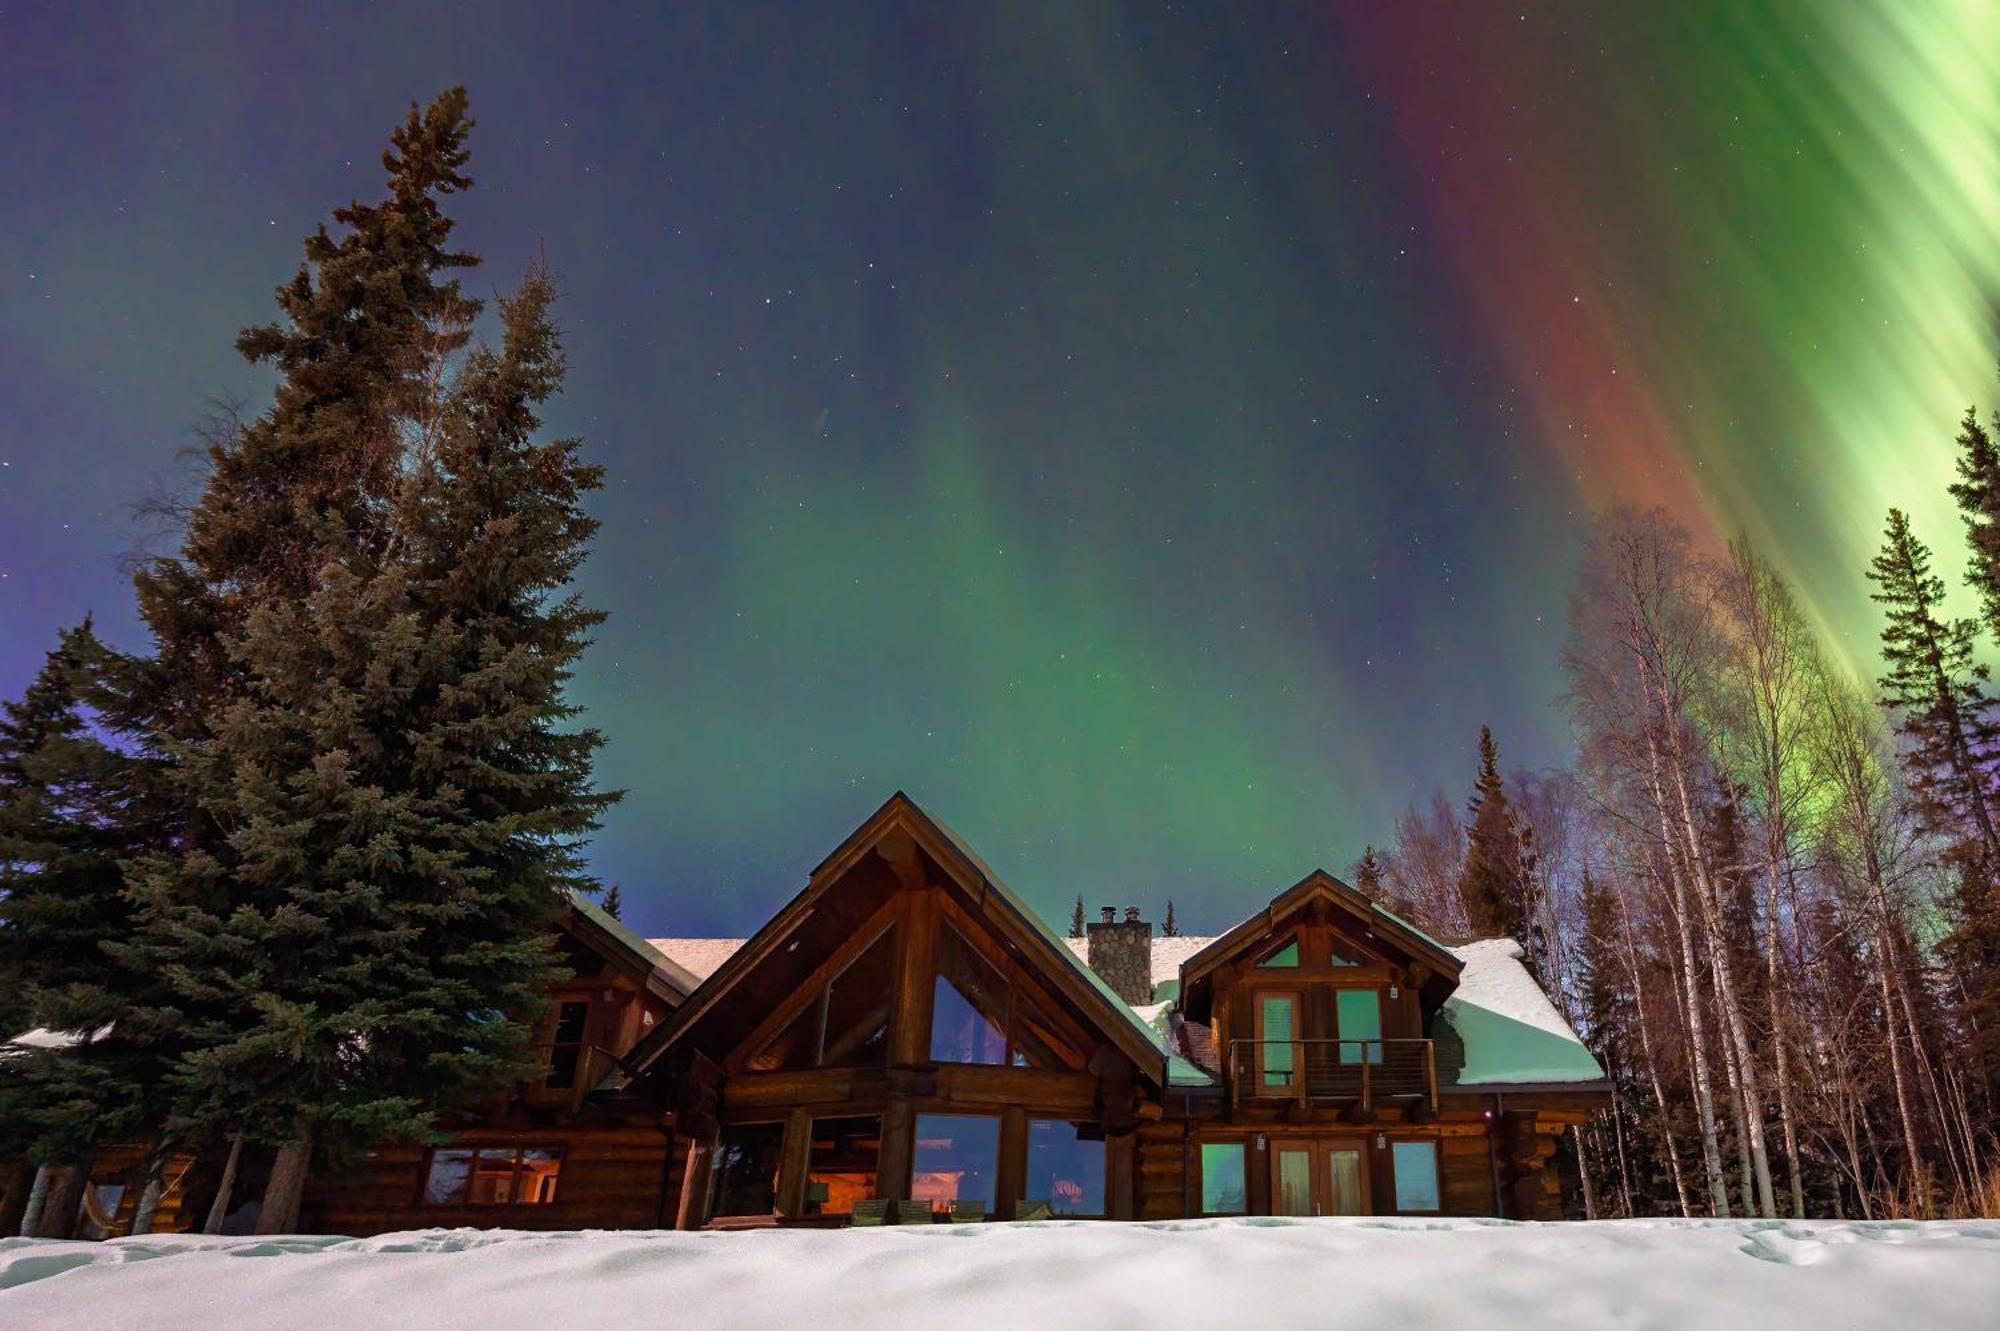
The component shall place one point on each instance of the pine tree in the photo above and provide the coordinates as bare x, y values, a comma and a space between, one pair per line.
1499, 854
614, 904
387, 802
1368, 874
1076, 918
1937, 690
73, 810
1977, 491
1169, 929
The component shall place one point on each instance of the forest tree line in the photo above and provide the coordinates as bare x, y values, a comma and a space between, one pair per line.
275, 888
1763, 891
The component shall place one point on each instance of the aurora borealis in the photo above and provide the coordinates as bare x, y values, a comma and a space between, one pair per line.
1156, 441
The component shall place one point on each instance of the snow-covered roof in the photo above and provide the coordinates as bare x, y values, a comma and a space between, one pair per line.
1512, 1033
699, 957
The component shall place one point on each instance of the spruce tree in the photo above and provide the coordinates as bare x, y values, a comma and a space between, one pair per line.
387, 803
1494, 884
1169, 929
614, 904
1076, 918
1937, 690
73, 811
1368, 874
1977, 492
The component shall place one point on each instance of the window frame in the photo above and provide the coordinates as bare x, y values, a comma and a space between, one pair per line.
1000, 1152
473, 1152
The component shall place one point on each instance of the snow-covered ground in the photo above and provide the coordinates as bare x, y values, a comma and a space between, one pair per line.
1400, 1275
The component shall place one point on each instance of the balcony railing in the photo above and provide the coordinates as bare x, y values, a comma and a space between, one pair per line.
1363, 1074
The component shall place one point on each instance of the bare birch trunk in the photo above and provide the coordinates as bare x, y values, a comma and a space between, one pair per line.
1652, 1064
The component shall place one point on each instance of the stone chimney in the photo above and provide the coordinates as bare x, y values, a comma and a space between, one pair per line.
1121, 952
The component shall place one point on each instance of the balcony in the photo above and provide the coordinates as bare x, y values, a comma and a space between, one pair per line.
1355, 1076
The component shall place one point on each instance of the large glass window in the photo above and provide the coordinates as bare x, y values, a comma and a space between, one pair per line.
743, 1176
969, 1011
955, 1160
1416, 1176
1066, 1166
1223, 1190
493, 1176
1359, 1012
567, 1049
841, 1170
847, 1023
857, 1007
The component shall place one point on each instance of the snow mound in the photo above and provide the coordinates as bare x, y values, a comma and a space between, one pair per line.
1409, 1274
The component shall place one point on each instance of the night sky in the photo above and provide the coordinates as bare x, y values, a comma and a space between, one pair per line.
1156, 440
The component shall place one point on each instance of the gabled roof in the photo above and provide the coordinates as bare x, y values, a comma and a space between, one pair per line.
608, 936
1006, 912
1511, 1033
1323, 885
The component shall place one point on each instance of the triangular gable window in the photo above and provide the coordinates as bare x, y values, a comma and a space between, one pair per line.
1347, 954
1285, 958
847, 1023
969, 1005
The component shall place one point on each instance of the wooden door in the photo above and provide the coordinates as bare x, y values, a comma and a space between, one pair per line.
1323, 1176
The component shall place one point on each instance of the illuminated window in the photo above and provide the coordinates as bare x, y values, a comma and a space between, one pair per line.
841, 1170
1066, 1166
1223, 1191
492, 1176
1416, 1176
955, 1160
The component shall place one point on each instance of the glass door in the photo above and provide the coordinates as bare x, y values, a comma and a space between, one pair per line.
1319, 1178
1292, 1180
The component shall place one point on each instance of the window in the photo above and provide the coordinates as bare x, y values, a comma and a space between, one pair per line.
841, 1168
1278, 1026
1039, 1040
743, 1177
1066, 1166
969, 1012
567, 1049
955, 1159
857, 1007
1416, 1176
1346, 954
846, 1024
1359, 1012
1222, 1173
1285, 958
492, 1176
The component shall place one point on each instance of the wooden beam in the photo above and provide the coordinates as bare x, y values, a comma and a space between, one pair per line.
1010, 1180
910, 1026
892, 1167
793, 1153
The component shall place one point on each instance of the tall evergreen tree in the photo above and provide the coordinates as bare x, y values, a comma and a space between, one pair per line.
1170, 929
1494, 885
73, 810
614, 902
1076, 918
388, 799
1977, 492
1936, 689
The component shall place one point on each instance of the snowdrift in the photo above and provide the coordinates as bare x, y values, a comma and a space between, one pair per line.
1411, 1275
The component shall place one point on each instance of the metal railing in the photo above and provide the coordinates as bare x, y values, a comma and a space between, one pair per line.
1327, 1072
